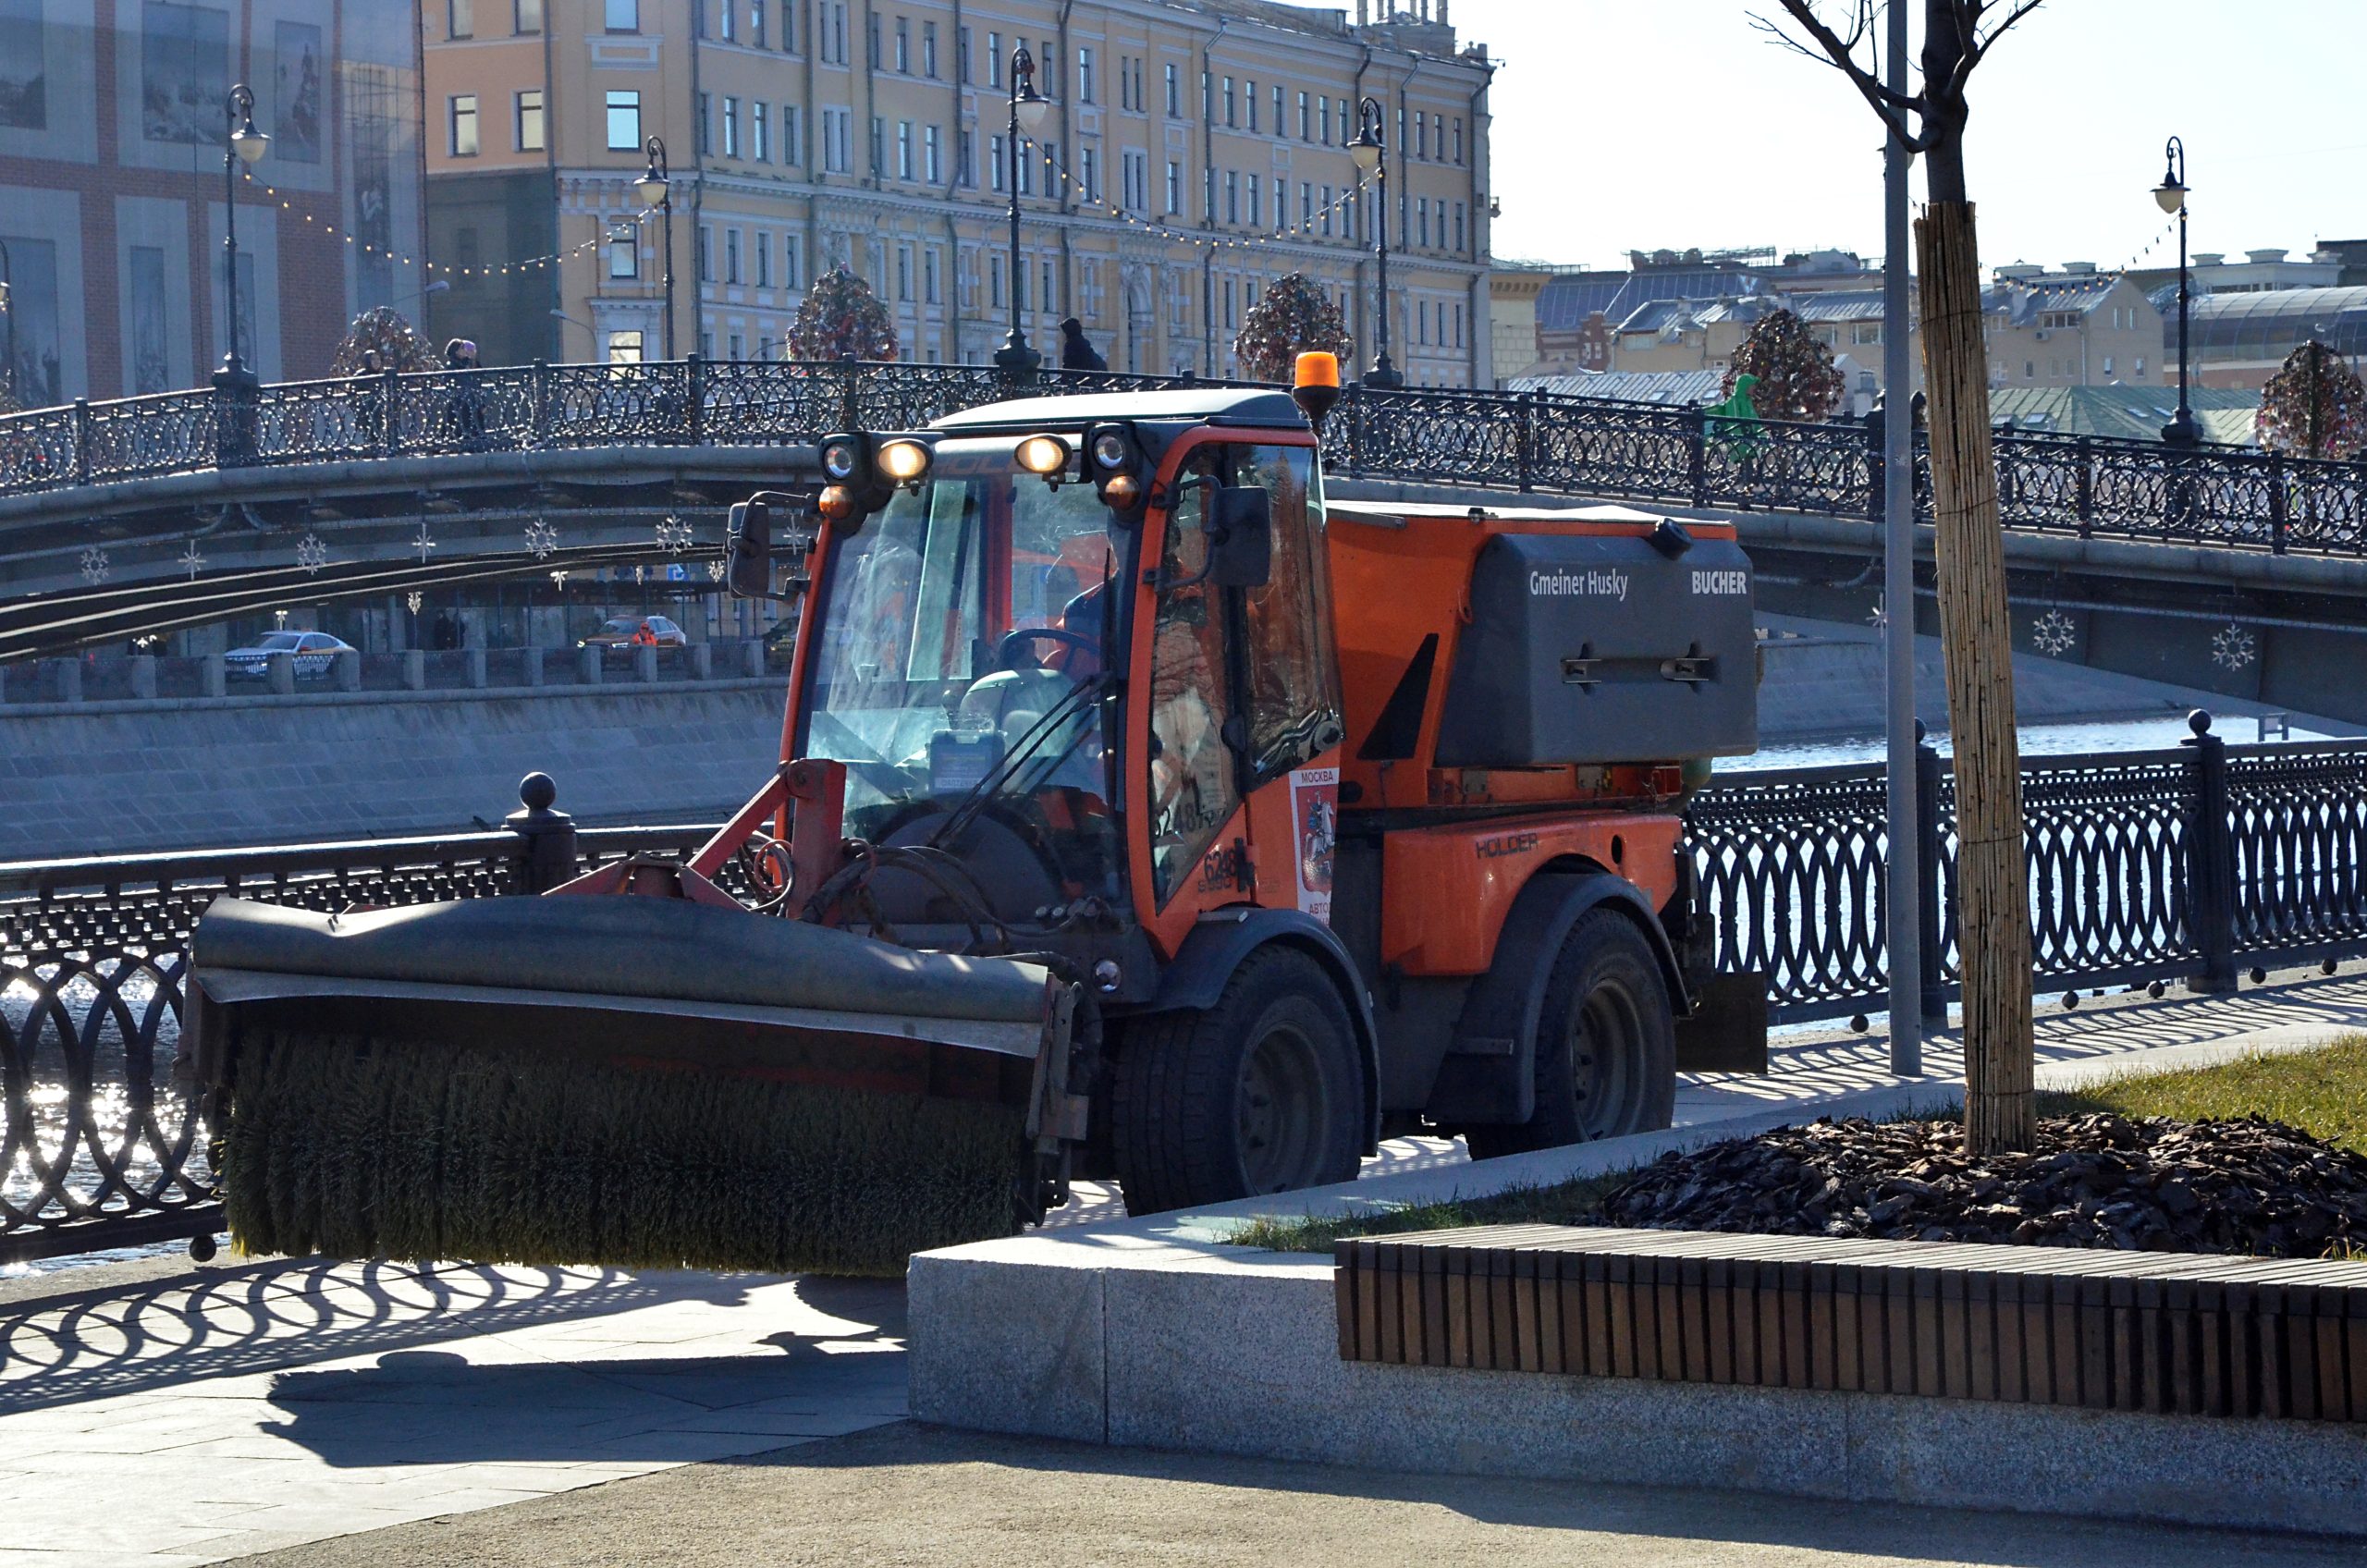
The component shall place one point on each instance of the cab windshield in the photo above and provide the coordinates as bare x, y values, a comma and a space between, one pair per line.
959, 665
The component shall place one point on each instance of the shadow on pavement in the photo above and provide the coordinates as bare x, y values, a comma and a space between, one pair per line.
265, 1316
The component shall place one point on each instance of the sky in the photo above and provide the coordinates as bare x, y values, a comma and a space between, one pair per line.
1646, 124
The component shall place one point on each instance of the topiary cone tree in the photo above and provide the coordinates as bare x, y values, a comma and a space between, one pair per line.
2314, 406
1294, 316
1797, 379
841, 318
385, 332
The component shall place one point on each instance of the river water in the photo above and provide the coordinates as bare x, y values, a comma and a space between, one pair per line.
2038, 741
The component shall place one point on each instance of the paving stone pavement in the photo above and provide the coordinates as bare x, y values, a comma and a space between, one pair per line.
164, 1415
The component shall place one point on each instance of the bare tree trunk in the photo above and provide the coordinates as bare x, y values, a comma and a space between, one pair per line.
1977, 640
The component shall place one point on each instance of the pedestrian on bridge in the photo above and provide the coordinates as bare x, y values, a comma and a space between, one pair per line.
1076, 353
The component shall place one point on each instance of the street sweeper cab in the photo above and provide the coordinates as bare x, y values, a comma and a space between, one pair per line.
1142, 813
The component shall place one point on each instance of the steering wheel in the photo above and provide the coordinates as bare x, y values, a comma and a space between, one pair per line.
1009, 652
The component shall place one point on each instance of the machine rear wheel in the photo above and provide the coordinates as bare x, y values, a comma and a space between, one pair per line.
1606, 1045
1262, 1093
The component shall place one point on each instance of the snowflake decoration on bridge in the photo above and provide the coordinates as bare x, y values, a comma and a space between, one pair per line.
94, 566
2053, 634
541, 539
2233, 647
414, 599
559, 578
674, 535
191, 558
311, 554
714, 569
422, 544
1879, 617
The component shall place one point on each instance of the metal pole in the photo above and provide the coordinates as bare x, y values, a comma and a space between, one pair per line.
2180, 431
8, 309
230, 361
1015, 358
1903, 889
1373, 134
666, 223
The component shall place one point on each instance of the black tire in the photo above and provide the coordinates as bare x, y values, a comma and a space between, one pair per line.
1606, 1044
1262, 1093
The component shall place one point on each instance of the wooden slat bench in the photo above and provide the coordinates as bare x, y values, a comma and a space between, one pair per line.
2167, 1332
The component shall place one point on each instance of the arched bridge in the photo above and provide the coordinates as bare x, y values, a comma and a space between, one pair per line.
144, 513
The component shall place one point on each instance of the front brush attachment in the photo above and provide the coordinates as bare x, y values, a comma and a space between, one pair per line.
674, 1085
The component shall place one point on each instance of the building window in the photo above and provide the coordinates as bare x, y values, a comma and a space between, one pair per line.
706, 130
1458, 140
623, 16
1327, 211
624, 122
763, 260
993, 282
928, 50
1174, 99
994, 59
526, 16
624, 258
731, 127
464, 125
1232, 196
530, 120
877, 152
1088, 185
998, 159
874, 55
834, 32
1230, 118
706, 254
963, 71
965, 157
792, 134
904, 272
1255, 211
1174, 187
460, 20
903, 47
928, 275
1305, 126
1229, 319
624, 347
903, 149
1306, 205
2137, 366
756, 23
1133, 180
1459, 217
1340, 117
731, 19
932, 156
759, 134
731, 255
2107, 364
1422, 232
1282, 127
1084, 75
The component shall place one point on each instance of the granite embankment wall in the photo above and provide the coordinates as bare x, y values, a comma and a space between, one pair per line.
120, 777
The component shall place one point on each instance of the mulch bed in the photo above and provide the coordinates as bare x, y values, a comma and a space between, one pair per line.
2253, 1187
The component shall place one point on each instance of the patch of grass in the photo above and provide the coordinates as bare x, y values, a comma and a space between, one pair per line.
2324, 1092
1576, 1202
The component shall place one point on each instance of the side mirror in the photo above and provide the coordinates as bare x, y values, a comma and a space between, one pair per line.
1240, 537
749, 574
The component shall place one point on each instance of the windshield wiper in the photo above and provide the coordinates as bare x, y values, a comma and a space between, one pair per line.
965, 810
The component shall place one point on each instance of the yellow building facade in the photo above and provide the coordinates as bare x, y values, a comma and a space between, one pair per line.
1190, 156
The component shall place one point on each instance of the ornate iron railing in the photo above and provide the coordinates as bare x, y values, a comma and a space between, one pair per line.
2153, 866
2090, 485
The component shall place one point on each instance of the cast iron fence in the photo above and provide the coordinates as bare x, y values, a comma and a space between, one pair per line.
2143, 867
1530, 441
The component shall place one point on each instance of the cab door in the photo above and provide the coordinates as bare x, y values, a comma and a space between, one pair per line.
1243, 710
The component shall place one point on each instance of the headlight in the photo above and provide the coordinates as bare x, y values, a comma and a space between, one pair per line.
841, 460
837, 503
1109, 450
1120, 491
1047, 455
903, 461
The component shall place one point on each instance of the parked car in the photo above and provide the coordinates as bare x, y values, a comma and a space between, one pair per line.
621, 634
780, 644
315, 655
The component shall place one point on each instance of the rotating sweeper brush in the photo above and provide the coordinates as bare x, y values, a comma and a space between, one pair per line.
630, 1081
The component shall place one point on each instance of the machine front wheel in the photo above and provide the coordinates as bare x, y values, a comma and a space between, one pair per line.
1262, 1093
1606, 1044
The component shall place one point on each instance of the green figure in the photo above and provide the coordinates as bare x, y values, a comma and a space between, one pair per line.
1733, 424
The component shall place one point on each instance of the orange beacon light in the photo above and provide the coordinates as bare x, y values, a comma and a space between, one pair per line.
1315, 386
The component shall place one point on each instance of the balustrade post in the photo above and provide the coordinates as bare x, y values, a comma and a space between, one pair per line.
1355, 430
539, 401
82, 440
695, 398
2280, 523
1877, 466
2084, 454
1698, 454
1933, 878
236, 399
390, 389
1524, 411
2210, 857
546, 853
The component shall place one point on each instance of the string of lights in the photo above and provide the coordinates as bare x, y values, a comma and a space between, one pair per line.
441, 268
1306, 228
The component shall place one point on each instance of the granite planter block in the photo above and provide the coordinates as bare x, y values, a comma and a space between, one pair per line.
587, 667
142, 675
1022, 1345
644, 664
348, 670
702, 657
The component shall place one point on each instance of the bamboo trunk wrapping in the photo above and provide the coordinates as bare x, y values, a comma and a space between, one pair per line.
1993, 927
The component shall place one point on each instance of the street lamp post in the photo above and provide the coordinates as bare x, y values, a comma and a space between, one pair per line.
1029, 109
247, 145
1371, 150
2171, 195
657, 192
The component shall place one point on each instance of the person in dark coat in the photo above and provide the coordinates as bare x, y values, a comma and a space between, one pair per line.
1075, 353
